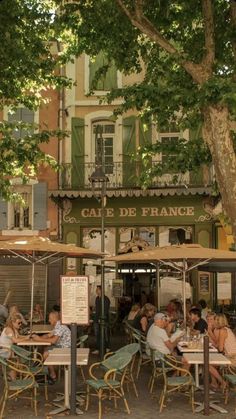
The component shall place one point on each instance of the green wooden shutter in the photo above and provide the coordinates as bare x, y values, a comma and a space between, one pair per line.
3, 214
40, 206
105, 83
77, 149
128, 145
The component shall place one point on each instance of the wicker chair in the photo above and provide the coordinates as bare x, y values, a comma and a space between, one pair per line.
183, 380
13, 389
132, 349
110, 386
34, 362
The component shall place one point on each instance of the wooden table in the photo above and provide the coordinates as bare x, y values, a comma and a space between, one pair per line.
196, 359
41, 328
32, 342
62, 356
199, 349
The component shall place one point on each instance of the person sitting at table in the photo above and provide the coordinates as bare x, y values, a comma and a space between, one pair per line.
157, 337
10, 335
134, 312
60, 337
199, 325
212, 331
226, 344
203, 307
37, 313
15, 310
144, 320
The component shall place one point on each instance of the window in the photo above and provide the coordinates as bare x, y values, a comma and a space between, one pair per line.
20, 215
169, 140
106, 132
24, 115
106, 82
32, 215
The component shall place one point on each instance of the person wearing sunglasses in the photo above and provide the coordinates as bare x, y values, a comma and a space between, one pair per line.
157, 336
10, 335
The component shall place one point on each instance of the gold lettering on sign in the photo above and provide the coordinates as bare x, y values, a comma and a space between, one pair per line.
190, 211
123, 212
164, 212
145, 211
173, 211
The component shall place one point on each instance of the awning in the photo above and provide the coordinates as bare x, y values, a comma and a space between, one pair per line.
62, 193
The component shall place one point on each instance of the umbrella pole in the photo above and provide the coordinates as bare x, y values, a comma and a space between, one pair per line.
45, 292
158, 286
32, 294
184, 290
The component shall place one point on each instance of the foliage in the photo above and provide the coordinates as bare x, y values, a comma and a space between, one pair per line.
29, 67
166, 40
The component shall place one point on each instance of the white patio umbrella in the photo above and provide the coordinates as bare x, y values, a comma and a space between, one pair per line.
184, 258
40, 250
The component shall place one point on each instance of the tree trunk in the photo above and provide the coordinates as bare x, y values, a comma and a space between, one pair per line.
217, 135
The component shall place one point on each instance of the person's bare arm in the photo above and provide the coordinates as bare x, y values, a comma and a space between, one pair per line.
50, 339
144, 324
172, 345
221, 341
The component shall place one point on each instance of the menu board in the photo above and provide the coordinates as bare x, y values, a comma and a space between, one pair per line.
74, 299
117, 288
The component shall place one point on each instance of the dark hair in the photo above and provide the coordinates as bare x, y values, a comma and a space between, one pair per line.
202, 303
195, 311
99, 287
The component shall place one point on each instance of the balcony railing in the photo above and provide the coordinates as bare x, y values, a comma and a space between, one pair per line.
127, 175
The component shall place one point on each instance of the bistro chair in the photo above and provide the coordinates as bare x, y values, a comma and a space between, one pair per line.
132, 349
13, 389
144, 351
110, 386
230, 378
183, 380
34, 361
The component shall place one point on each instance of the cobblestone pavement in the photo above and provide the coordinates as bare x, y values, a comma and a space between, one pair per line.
146, 406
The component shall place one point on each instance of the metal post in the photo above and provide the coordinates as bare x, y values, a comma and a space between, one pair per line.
73, 368
206, 375
102, 319
32, 293
46, 291
184, 289
158, 288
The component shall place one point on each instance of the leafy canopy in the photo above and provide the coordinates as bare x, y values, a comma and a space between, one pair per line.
29, 67
167, 93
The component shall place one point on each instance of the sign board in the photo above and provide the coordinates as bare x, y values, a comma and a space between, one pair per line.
204, 282
74, 299
117, 288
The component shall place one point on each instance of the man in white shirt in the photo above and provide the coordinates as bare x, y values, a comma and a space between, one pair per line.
157, 337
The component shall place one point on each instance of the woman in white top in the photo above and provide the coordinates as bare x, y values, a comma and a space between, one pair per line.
15, 310
10, 335
226, 343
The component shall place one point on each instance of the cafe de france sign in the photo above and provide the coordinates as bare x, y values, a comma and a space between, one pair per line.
143, 212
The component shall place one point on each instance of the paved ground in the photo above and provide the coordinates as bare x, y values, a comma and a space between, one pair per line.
146, 406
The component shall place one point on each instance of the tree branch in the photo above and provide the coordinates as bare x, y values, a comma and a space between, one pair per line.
197, 71
208, 18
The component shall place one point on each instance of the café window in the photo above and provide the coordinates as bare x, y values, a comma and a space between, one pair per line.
175, 235
169, 140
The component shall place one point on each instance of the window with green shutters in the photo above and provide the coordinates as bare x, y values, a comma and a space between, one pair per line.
106, 82
24, 115
106, 129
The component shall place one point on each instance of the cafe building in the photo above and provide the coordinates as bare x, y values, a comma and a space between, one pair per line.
167, 212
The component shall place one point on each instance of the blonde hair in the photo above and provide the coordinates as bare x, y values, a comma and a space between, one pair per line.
221, 321
135, 307
12, 319
211, 314
146, 308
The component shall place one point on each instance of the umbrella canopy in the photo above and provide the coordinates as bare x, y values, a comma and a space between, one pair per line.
183, 258
192, 253
42, 245
36, 249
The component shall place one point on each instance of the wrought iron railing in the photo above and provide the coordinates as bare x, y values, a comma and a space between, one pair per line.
127, 175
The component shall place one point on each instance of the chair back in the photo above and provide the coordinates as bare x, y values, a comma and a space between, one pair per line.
119, 361
21, 352
131, 349
81, 341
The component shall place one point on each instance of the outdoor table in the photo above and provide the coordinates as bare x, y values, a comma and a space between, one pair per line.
64, 358
39, 329
190, 349
216, 359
